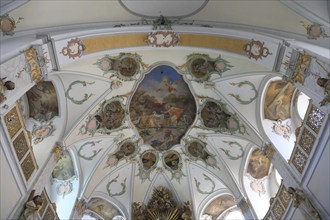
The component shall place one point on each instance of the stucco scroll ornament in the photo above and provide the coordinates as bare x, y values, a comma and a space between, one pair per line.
255, 49
123, 184
207, 178
86, 96
237, 96
232, 144
8, 24
74, 48
163, 39
95, 152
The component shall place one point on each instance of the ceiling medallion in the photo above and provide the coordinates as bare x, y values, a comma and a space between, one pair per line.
162, 108
125, 66
201, 66
109, 117
8, 24
255, 49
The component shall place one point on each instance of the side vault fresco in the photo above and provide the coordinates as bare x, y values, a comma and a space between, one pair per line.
162, 108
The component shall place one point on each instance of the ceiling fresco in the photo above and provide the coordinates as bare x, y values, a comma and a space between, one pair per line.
162, 108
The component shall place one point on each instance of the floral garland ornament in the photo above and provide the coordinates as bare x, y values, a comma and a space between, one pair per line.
163, 39
74, 48
314, 31
201, 66
8, 24
231, 144
95, 152
172, 162
86, 96
147, 163
123, 184
207, 178
255, 49
237, 96
125, 66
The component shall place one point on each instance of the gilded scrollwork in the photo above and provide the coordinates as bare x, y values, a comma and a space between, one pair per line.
162, 206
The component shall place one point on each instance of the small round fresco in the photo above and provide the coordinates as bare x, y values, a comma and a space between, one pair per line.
162, 108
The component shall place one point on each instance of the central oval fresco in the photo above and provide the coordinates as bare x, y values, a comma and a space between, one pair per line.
162, 108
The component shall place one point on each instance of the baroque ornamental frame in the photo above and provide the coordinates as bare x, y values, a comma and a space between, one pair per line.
125, 66
109, 117
139, 81
231, 125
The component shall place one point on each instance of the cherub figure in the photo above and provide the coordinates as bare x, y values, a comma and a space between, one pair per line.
32, 207
4, 86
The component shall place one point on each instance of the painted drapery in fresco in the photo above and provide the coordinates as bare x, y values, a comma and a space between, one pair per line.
162, 108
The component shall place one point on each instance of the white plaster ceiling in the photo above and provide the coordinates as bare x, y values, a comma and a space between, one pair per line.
94, 175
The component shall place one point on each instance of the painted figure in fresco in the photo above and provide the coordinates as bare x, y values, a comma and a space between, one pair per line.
259, 165
4, 86
278, 100
172, 115
172, 161
299, 197
324, 83
197, 150
214, 116
148, 160
32, 208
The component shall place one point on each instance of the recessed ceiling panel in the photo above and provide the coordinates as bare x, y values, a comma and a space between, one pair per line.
155, 8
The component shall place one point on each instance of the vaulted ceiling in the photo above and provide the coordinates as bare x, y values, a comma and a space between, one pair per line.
138, 109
